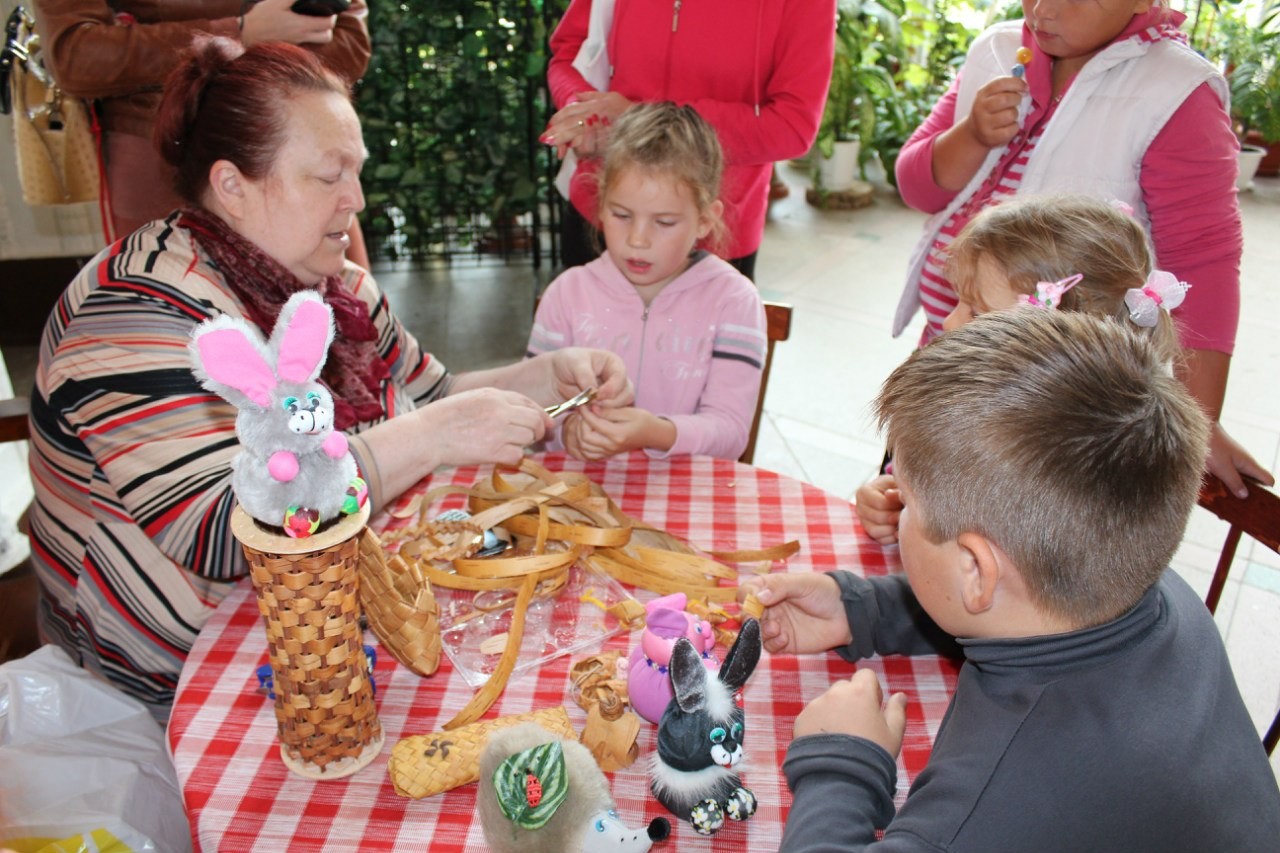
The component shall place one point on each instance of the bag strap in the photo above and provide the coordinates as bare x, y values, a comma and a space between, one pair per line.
104, 195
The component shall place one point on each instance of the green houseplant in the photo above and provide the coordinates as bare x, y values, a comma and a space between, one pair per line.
1253, 71
866, 39
451, 106
893, 60
1246, 47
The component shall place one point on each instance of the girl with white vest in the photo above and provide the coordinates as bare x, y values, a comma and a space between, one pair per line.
1105, 99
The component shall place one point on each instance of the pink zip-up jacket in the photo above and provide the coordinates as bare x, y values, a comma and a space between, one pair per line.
694, 354
757, 70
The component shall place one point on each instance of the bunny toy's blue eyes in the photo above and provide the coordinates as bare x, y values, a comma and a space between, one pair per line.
291, 404
718, 735
313, 400
736, 731
599, 826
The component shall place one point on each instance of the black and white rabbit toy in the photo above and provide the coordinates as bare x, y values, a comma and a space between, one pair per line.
294, 469
700, 736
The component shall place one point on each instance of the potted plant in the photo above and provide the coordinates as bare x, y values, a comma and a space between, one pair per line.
858, 81
1254, 79
1248, 53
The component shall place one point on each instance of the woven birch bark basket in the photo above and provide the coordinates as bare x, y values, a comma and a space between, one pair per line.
309, 597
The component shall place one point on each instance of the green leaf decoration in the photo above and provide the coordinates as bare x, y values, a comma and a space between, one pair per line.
531, 785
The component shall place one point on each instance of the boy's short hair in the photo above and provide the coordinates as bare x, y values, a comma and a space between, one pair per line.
1063, 439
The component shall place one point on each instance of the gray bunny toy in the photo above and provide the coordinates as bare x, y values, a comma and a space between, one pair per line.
294, 469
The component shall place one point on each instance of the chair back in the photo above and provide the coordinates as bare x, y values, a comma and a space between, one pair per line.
1257, 516
778, 328
13, 419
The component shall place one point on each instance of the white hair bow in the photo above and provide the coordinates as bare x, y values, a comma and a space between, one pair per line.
1162, 290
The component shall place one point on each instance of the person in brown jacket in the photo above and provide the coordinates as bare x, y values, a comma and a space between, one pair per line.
120, 53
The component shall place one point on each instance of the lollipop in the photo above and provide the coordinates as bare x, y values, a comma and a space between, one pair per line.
1023, 57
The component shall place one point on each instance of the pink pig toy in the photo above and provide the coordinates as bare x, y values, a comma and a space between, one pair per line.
648, 683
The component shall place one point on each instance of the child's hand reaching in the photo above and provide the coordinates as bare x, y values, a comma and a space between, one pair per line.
879, 504
803, 612
597, 432
856, 707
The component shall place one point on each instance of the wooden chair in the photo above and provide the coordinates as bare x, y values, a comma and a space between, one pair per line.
1258, 516
778, 322
13, 419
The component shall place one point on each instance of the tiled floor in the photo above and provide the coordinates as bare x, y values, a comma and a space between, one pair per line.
842, 271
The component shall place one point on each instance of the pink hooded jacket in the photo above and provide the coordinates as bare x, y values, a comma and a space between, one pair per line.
694, 355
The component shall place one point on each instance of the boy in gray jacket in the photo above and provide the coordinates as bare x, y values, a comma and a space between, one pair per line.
1048, 463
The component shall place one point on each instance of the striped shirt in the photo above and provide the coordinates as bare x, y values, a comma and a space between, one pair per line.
131, 457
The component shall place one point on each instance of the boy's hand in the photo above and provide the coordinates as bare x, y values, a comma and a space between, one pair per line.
993, 121
856, 707
879, 504
803, 612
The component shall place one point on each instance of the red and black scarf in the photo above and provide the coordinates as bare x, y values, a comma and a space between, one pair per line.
353, 371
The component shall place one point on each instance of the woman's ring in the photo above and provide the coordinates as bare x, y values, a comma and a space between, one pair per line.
581, 122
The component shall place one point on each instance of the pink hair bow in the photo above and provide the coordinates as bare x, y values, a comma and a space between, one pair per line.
1049, 293
1162, 290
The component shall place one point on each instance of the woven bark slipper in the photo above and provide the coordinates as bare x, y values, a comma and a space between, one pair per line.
400, 606
422, 765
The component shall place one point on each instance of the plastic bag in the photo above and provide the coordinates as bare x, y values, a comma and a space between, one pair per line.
83, 768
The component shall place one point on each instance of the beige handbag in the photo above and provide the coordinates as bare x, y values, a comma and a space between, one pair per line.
53, 132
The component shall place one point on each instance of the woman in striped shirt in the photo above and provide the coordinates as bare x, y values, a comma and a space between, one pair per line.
131, 458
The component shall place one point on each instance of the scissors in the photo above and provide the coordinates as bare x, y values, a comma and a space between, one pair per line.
574, 402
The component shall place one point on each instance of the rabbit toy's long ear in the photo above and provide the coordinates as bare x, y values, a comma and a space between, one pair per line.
742, 657
688, 677
229, 358
302, 336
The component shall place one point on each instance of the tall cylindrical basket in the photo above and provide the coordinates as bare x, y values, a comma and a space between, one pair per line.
308, 594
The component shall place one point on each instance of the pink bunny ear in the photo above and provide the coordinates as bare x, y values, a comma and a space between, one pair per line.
228, 357
305, 342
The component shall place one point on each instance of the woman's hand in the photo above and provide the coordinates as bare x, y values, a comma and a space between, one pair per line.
993, 121
856, 707
1230, 463
879, 504
803, 612
481, 426
583, 124
273, 20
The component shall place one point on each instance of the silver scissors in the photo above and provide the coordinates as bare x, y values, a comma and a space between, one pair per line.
579, 399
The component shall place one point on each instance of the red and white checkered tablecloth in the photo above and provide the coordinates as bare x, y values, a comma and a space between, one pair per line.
240, 796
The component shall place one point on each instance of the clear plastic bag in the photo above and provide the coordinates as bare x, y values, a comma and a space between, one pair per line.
83, 768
